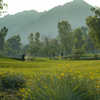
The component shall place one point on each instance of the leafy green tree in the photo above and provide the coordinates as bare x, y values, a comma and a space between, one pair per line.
30, 50
65, 35
81, 42
89, 45
78, 39
53, 47
34, 44
46, 47
13, 46
50, 47
2, 6
37, 43
3, 33
93, 23
37, 37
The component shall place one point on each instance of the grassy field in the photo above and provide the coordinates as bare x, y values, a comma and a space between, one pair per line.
46, 66
50, 79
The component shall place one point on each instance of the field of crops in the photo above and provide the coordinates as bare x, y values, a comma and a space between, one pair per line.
52, 79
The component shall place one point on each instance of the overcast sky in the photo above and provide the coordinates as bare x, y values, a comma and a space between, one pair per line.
15, 6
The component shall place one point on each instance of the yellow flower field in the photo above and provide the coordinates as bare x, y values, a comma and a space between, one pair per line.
52, 79
51, 67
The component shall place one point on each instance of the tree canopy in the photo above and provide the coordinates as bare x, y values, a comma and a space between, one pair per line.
93, 23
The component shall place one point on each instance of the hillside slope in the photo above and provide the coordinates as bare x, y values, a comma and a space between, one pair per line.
46, 23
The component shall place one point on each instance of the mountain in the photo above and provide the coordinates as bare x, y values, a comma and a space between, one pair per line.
24, 23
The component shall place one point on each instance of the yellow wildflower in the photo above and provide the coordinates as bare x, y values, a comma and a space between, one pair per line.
62, 74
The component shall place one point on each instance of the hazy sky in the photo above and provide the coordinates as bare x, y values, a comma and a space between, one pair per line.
15, 6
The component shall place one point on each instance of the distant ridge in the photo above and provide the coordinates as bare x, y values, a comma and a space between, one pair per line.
24, 23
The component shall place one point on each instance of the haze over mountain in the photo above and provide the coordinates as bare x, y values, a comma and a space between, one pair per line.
24, 23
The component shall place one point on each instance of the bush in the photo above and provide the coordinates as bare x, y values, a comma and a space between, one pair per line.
96, 57
77, 54
62, 87
12, 81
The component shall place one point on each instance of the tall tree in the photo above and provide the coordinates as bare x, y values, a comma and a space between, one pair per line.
31, 44
37, 37
65, 35
93, 23
34, 43
3, 33
37, 43
54, 47
89, 45
13, 46
46, 46
78, 38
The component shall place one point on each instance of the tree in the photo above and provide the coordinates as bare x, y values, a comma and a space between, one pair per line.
96, 11
78, 42
46, 47
89, 45
65, 35
50, 47
93, 23
3, 33
37, 37
13, 46
2, 6
37, 43
78, 39
34, 43
31, 38
54, 47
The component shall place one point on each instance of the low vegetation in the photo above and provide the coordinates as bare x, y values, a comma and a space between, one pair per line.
44, 79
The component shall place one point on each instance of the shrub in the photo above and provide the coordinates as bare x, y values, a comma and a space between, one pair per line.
77, 53
62, 87
12, 81
96, 57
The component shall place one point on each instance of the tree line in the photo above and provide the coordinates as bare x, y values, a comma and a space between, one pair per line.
69, 41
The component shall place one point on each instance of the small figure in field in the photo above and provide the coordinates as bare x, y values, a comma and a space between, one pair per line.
23, 57
62, 54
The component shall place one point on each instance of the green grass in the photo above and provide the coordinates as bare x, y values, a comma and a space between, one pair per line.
47, 79
46, 66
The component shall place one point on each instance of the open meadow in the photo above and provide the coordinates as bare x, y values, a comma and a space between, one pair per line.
46, 66
45, 79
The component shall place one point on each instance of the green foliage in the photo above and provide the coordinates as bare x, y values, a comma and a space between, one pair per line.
34, 44
51, 47
93, 23
45, 48
3, 33
65, 35
88, 45
55, 79
77, 53
78, 38
12, 81
37, 37
2, 5
62, 87
13, 46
